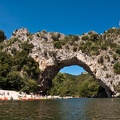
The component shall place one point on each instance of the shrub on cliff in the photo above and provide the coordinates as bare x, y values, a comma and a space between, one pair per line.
54, 36
57, 44
101, 60
2, 36
85, 37
117, 68
117, 87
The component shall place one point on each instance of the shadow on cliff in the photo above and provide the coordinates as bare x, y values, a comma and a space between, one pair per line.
101, 93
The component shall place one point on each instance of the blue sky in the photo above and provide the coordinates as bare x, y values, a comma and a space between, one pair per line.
65, 16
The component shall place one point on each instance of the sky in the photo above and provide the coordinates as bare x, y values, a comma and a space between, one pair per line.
65, 16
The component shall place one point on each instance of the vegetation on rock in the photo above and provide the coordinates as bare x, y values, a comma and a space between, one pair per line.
2, 36
19, 71
117, 68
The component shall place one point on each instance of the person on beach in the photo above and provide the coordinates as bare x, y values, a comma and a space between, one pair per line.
8, 93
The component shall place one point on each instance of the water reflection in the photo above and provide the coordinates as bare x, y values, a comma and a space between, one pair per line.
29, 110
103, 109
74, 109
70, 109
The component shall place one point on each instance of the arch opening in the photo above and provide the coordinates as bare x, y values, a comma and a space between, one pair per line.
71, 81
73, 70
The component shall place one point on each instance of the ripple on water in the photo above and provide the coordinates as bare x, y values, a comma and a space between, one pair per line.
63, 109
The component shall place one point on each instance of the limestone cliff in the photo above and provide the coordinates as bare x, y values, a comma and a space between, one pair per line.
97, 54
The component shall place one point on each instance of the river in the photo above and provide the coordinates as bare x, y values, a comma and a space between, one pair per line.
61, 109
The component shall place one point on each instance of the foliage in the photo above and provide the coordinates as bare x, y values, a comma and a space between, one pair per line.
117, 67
19, 71
70, 39
55, 37
5, 63
74, 48
2, 36
11, 41
91, 43
30, 85
89, 47
69, 85
92, 36
115, 57
101, 60
117, 87
85, 37
58, 44
14, 81
88, 88
27, 47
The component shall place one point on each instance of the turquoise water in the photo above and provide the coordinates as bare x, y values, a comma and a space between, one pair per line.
61, 109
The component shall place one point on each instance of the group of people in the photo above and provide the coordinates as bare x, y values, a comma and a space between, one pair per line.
13, 95
3, 93
5, 96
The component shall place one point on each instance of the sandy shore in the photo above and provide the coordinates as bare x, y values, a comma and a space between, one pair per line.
13, 95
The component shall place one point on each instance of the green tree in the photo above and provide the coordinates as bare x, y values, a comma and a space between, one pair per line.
2, 36
5, 63
88, 88
30, 86
70, 85
14, 81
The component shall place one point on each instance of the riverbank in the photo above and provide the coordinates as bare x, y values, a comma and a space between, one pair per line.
13, 95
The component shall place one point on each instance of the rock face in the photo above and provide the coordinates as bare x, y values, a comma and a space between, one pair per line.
53, 51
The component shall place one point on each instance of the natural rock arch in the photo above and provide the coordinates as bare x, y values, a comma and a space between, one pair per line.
51, 71
54, 51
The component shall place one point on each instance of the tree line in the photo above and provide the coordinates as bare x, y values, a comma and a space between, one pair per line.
82, 85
